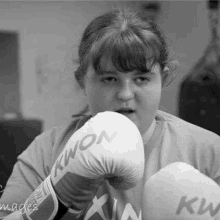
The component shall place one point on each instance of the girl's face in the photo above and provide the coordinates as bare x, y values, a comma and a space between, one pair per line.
115, 90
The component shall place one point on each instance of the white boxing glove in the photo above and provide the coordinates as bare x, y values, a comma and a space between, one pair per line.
108, 146
181, 192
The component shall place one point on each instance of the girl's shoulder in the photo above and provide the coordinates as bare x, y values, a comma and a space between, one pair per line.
184, 128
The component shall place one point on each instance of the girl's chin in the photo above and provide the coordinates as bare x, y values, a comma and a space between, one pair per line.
133, 118
129, 115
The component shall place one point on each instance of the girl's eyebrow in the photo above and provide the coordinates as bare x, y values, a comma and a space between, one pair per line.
103, 72
136, 72
109, 72
148, 71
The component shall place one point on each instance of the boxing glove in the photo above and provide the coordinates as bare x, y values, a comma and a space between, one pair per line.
107, 147
181, 192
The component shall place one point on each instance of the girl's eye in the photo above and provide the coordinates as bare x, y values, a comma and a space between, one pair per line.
142, 79
108, 79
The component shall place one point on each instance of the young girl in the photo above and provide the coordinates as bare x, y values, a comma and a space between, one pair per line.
123, 67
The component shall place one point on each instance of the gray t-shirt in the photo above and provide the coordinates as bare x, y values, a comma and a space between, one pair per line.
172, 140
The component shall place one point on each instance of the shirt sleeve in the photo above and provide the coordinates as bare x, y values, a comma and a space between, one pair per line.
214, 156
34, 165
31, 168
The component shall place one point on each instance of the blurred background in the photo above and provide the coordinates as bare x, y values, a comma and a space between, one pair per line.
39, 40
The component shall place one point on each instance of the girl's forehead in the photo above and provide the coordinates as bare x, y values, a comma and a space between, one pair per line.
106, 63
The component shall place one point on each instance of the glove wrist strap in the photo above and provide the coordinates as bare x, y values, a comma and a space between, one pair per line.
43, 203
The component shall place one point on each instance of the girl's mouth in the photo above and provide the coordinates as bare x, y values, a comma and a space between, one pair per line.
126, 111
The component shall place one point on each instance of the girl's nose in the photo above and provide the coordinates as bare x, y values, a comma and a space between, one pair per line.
126, 92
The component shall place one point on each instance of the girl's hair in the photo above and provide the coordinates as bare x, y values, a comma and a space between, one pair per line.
131, 42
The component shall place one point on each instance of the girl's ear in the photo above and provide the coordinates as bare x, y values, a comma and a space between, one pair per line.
166, 76
168, 73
